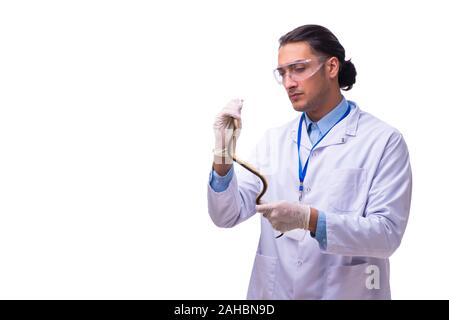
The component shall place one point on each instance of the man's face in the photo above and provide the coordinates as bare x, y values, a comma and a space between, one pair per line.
304, 76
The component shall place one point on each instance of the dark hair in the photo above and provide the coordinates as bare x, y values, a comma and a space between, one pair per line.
323, 41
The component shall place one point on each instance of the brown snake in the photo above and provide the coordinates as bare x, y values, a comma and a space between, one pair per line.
248, 167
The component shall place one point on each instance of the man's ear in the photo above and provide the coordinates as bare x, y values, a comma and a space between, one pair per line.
332, 66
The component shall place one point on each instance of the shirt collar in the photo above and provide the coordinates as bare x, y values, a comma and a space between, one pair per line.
325, 123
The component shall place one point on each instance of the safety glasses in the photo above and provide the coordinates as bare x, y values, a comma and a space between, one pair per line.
298, 70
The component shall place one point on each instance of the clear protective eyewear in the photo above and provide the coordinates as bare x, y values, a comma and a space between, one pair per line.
298, 70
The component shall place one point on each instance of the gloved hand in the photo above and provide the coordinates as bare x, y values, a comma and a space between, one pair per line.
285, 216
224, 130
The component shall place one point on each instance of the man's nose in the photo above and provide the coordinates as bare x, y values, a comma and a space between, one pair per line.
289, 83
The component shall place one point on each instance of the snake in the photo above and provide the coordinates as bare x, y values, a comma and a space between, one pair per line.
247, 166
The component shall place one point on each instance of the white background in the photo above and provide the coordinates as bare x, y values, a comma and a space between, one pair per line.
106, 112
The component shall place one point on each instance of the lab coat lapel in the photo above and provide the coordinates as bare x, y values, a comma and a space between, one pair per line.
297, 234
305, 141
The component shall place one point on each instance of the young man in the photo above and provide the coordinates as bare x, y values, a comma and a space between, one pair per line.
339, 183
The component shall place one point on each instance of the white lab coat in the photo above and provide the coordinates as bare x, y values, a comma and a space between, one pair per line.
360, 176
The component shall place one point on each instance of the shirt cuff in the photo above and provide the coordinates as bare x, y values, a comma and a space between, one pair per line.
220, 183
320, 234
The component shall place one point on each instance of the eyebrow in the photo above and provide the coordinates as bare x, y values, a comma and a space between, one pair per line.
292, 62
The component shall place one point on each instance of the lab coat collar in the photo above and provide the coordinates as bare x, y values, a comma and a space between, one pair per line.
337, 137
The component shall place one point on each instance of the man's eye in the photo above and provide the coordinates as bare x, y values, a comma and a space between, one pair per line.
299, 69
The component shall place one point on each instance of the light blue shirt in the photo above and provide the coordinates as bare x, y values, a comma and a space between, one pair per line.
315, 130
220, 183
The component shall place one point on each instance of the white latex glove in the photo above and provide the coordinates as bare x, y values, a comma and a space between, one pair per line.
285, 216
224, 130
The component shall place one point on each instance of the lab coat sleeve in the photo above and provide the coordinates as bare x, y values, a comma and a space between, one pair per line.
379, 230
238, 201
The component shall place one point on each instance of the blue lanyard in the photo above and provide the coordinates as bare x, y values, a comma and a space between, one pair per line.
303, 172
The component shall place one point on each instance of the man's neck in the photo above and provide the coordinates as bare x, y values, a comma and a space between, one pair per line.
326, 107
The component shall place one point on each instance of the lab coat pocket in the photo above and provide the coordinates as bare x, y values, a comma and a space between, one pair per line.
262, 281
347, 282
346, 189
